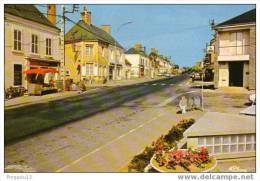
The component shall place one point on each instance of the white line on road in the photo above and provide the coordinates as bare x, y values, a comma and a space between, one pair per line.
108, 143
154, 84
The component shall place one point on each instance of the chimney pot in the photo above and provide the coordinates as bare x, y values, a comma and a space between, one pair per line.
138, 46
86, 16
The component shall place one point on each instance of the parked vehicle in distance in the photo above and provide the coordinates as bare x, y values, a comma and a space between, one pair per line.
196, 76
160, 74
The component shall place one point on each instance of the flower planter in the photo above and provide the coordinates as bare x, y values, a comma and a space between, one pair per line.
205, 167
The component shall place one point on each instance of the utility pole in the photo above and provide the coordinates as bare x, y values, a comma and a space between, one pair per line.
62, 33
202, 86
62, 44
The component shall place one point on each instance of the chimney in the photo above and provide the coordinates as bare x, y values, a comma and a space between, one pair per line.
106, 28
138, 46
51, 13
86, 16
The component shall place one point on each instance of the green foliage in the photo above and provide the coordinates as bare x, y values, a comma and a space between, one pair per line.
140, 161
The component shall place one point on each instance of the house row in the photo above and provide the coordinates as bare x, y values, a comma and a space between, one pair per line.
230, 59
91, 53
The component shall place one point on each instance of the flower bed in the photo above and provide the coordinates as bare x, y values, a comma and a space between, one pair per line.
180, 160
165, 142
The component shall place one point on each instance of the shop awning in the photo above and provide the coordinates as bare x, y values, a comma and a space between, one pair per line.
41, 71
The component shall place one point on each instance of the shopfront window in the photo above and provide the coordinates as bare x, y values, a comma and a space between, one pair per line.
17, 74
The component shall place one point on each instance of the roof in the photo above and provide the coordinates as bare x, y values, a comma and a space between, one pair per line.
83, 31
29, 12
247, 17
136, 51
214, 123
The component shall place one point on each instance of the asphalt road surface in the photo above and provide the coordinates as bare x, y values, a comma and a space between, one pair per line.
84, 124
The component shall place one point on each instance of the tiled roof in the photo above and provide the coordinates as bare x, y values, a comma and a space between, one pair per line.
247, 17
83, 31
29, 12
136, 51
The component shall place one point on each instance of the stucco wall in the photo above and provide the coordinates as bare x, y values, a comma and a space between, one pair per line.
27, 28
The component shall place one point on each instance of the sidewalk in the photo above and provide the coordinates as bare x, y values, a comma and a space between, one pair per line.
132, 81
28, 100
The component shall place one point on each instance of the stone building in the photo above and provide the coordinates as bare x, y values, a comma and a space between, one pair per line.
235, 47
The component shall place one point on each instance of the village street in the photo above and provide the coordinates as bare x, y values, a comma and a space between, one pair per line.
86, 92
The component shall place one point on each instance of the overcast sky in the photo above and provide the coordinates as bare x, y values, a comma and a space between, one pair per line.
179, 31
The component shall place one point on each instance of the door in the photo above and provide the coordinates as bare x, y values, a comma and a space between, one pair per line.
111, 72
223, 75
236, 74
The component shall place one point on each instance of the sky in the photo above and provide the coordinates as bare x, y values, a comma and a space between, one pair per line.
178, 31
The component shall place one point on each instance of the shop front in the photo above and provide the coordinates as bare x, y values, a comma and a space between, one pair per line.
42, 76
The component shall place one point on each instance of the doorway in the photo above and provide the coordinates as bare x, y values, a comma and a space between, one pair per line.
236, 74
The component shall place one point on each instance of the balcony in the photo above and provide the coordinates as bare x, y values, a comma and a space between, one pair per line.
234, 53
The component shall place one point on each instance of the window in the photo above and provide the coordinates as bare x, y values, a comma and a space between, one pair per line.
228, 144
89, 69
34, 43
89, 51
103, 52
17, 40
48, 46
100, 71
111, 55
234, 43
17, 74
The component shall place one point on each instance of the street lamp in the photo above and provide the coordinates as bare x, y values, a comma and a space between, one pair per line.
119, 27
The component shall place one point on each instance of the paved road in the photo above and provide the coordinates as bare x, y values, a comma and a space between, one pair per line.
95, 121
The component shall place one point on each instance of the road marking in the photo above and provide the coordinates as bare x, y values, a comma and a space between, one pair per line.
154, 84
108, 143
163, 84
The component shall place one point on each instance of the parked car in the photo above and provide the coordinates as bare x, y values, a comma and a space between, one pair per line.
196, 76
160, 75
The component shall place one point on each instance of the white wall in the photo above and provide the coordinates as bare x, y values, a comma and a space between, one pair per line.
27, 28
